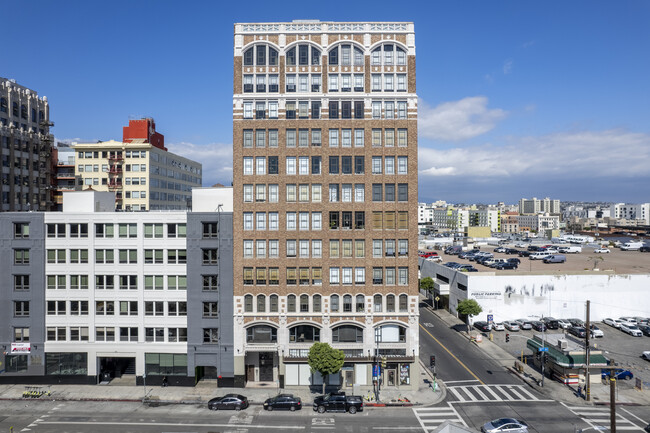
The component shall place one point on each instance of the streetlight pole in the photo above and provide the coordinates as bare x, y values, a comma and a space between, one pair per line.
144, 384
543, 345
377, 386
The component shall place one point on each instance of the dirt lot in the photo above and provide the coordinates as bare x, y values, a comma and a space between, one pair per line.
617, 261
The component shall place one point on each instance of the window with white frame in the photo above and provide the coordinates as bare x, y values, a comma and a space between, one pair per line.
359, 275
376, 165
389, 137
316, 221
304, 220
291, 138
334, 275
273, 193
291, 192
376, 109
401, 110
248, 110
273, 138
376, 82
377, 248
248, 249
303, 193
316, 193
260, 193
333, 83
359, 192
334, 138
248, 138
248, 193
358, 137
389, 82
291, 165
334, 192
317, 248
291, 248
274, 248
303, 165
346, 138
260, 165
346, 274
303, 245
358, 83
403, 276
260, 249
402, 165
376, 137
389, 110
273, 220
248, 165
401, 82
248, 220
291, 220
346, 193
389, 165
260, 221
401, 138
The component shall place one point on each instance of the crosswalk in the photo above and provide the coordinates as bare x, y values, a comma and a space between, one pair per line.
430, 418
597, 416
481, 393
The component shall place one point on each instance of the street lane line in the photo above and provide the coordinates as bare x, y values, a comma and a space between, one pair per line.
452, 355
642, 422
167, 424
460, 381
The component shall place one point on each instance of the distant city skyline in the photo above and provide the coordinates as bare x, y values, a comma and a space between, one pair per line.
516, 99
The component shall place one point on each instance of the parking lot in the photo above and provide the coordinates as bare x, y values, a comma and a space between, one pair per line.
617, 261
623, 348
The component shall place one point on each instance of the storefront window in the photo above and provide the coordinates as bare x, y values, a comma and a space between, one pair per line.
16, 363
404, 374
166, 364
66, 363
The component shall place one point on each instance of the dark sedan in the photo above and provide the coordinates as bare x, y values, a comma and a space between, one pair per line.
512, 251
228, 401
506, 265
523, 253
482, 326
514, 260
538, 326
578, 331
645, 329
283, 402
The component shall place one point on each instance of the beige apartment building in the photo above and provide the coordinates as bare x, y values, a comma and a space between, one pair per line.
325, 200
141, 172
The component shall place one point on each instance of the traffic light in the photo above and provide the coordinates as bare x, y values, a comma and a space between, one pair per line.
432, 361
383, 362
507, 338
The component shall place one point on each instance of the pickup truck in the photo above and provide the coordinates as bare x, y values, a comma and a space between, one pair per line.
338, 402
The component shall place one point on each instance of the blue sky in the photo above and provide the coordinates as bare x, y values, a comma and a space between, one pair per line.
517, 99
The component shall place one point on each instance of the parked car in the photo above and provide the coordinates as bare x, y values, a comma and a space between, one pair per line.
465, 254
523, 253
521, 245
596, 332
509, 425
514, 260
283, 402
498, 326
601, 250
564, 324
228, 401
338, 402
539, 255
467, 268
524, 324
641, 320
555, 258
550, 322
538, 326
646, 355
628, 328
645, 329
615, 323
631, 320
578, 331
511, 251
532, 248
576, 322
500, 250
482, 326
511, 326
506, 265
645, 249
619, 374
451, 264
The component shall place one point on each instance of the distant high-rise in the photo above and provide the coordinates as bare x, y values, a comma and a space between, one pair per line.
325, 208
534, 206
26, 146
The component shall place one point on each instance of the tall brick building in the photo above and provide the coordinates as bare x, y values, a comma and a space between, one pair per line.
325, 207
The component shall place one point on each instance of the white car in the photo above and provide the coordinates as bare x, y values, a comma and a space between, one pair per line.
615, 323
631, 320
628, 328
513, 326
601, 250
524, 324
596, 332
498, 326
564, 324
646, 355
521, 245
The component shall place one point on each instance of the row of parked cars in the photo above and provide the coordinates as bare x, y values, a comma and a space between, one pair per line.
572, 326
634, 326
332, 402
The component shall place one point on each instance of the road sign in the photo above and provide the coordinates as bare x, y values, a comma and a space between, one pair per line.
375, 372
437, 298
542, 349
490, 318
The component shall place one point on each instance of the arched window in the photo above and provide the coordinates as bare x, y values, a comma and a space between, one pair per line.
347, 303
261, 303
333, 56
248, 304
304, 334
347, 334
291, 57
361, 304
274, 303
401, 56
248, 57
334, 303
403, 303
316, 304
346, 55
261, 334
23, 111
390, 303
273, 57
3, 105
303, 55
304, 303
377, 304
390, 334
291, 303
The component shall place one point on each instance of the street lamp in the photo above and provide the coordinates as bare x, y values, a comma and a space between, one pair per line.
376, 382
144, 384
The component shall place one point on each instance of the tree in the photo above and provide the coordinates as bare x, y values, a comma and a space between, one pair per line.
469, 308
426, 283
325, 360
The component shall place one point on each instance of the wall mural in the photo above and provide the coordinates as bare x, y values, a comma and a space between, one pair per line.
512, 293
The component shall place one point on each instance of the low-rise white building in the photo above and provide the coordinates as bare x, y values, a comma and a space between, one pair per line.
631, 212
539, 222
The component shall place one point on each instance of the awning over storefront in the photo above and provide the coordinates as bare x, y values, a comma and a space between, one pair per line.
567, 360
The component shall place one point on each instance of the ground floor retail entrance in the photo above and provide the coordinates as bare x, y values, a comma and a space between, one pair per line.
115, 367
352, 374
261, 367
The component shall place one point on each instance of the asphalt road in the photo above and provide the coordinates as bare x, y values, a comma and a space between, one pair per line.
457, 360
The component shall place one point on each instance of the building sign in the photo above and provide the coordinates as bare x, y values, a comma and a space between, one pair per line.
21, 348
487, 295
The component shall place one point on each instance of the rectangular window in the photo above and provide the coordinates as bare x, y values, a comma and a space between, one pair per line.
376, 192
291, 220
333, 165
291, 165
210, 283
401, 82
346, 138
260, 138
334, 275
210, 309
333, 81
290, 138
402, 192
21, 283
21, 308
58, 231
389, 110
359, 110
359, 165
389, 192
21, 256
389, 140
150, 230
248, 165
346, 165
402, 165
273, 193
359, 220
315, 110
78, 230
303, 108
376, 137
21, 230
346, 110
210, 256
402, 137
376, 165
334, 138
401, 110
273, 83
358, 137
260, 165
334, 110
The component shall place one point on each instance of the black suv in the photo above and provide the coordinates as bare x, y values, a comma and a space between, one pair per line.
338, 402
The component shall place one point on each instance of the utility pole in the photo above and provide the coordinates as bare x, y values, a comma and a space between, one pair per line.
587, 378
612, 396
543, 345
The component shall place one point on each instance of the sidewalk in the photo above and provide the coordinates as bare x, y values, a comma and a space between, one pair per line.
552, 388
206, 390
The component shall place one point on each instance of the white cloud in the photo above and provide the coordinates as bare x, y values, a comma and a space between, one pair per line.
458, 120
216, 159
507, 66
597, 154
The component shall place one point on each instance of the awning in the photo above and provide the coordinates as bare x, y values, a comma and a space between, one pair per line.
566, 360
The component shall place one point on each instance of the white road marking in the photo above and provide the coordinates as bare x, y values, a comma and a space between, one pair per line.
477, 393
431, 417
460, 381
599, 416
168, 424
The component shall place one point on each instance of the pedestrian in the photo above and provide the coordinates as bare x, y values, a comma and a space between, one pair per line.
164, 381
579, 390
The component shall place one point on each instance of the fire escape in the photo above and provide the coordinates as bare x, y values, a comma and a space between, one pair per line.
115, 161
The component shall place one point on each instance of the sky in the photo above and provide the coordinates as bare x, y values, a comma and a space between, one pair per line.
516, 98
